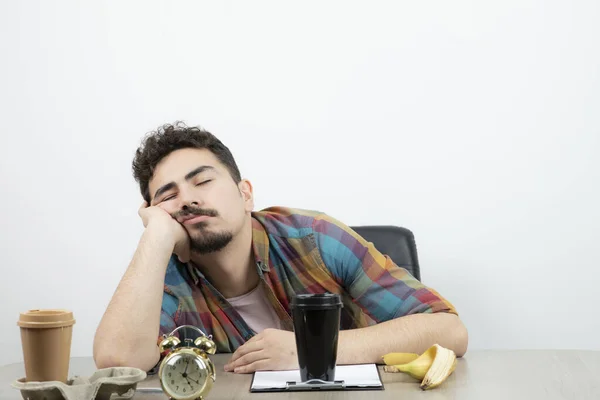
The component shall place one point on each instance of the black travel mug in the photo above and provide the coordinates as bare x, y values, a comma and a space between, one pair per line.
316, 326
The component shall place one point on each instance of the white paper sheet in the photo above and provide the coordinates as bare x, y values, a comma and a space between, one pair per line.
358, 376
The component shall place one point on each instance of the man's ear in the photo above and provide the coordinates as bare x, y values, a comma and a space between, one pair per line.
247, 193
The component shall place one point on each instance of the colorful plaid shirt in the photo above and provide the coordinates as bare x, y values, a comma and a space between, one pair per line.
299, 251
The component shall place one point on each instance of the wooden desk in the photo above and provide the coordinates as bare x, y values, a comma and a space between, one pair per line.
480, 375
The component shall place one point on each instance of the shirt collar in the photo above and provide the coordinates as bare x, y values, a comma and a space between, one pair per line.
260, 245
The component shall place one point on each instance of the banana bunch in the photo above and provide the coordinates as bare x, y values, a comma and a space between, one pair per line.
432, 367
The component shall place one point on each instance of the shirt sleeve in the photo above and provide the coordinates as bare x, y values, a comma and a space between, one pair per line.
170, 306
381, 288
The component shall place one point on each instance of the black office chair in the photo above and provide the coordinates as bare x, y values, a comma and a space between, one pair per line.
396, 242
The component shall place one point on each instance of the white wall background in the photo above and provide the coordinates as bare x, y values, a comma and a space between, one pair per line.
475, 124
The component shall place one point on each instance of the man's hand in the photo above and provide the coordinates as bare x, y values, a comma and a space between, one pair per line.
154, 217
272, 349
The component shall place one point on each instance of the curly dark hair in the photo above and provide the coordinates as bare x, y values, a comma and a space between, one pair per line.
158, 144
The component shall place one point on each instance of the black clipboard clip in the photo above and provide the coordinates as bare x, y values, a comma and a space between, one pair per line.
315, 384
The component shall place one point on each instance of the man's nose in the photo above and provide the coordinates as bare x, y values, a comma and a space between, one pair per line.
193, 204
188, 199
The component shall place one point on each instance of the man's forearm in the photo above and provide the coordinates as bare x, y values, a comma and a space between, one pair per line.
409, 334
129, 328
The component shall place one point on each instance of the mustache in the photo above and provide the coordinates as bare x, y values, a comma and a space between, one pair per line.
196, 211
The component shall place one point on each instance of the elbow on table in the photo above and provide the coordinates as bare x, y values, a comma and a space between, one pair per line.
460, 336
112, 358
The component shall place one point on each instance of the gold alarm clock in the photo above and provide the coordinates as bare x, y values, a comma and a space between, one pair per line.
186, 372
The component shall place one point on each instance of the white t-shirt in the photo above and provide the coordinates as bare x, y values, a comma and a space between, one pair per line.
256, 310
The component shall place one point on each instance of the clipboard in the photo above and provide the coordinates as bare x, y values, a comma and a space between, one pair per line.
347, 377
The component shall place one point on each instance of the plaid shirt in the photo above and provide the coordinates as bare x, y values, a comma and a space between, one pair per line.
299, 251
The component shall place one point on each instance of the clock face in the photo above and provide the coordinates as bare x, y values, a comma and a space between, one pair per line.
184, 375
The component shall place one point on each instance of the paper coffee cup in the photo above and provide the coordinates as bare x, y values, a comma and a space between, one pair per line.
46, 341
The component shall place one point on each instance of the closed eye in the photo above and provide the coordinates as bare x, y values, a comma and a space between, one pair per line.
203, 182
169, 197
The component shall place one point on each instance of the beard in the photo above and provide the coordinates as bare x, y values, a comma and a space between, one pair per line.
204, 241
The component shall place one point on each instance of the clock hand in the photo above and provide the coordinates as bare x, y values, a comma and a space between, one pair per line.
196, 382
188, 379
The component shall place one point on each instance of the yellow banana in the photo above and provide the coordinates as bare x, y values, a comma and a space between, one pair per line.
418, 367
399, 358
443, 365
431, 368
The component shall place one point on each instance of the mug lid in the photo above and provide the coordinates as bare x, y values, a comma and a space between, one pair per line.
49, 318
317, 300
